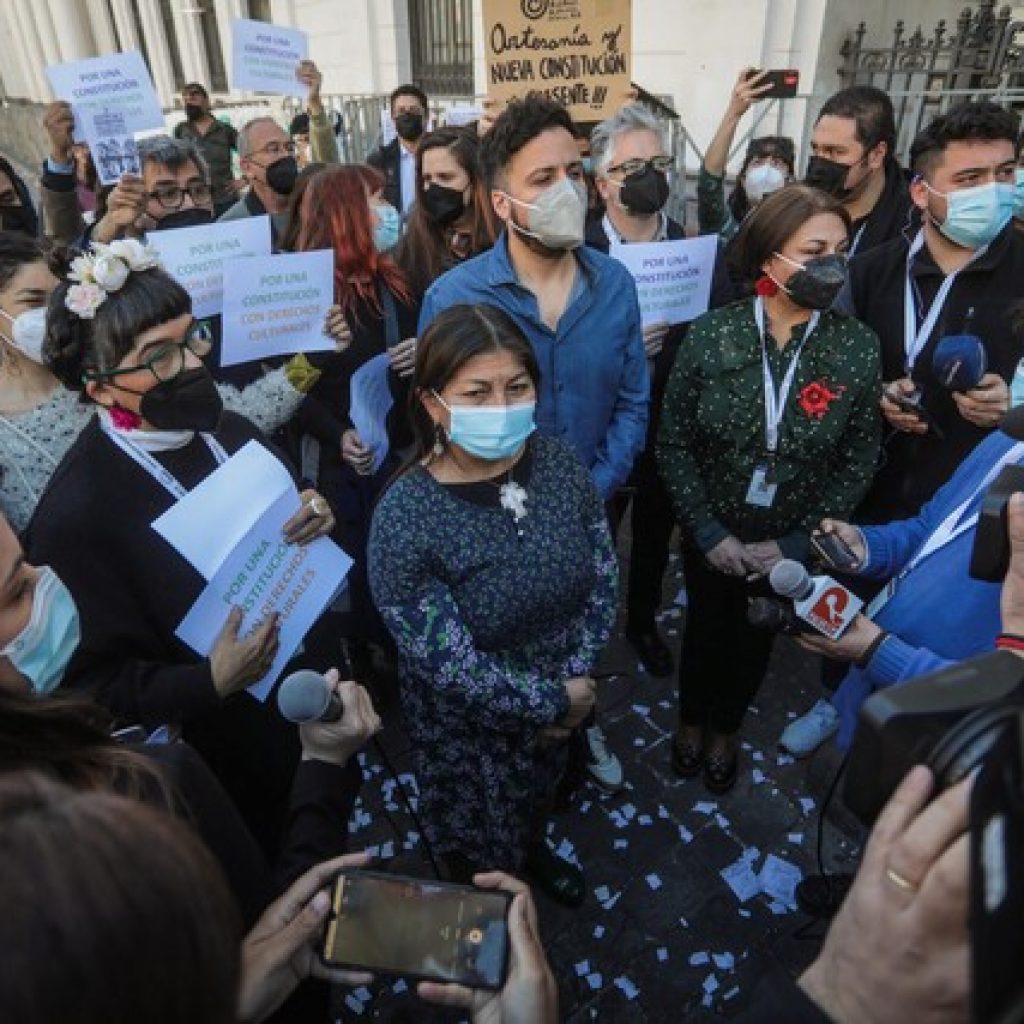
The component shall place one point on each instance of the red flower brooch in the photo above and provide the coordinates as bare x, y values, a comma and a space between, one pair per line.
816, 397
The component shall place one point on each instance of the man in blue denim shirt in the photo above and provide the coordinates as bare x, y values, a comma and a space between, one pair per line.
578, 308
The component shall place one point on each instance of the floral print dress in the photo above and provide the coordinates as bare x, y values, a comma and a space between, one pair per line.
491, 618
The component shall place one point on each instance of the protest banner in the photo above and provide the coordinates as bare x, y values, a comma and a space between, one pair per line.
195, 256
276, 305
673, 279
265, 575
113, 99
264, 58
575, 51
370, 401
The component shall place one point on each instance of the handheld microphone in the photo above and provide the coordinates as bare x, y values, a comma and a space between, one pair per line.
960, 361
305, 696
819, 601
775, 616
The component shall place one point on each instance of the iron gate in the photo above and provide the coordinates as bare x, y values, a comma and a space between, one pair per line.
441, 40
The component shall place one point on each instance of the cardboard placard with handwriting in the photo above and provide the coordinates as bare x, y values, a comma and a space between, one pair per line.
575, 51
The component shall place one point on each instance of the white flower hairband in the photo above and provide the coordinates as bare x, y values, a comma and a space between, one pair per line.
104, 270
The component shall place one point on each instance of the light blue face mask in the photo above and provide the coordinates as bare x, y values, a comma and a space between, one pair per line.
490, 431
975, 216
388, 228
42, 650
1018, 195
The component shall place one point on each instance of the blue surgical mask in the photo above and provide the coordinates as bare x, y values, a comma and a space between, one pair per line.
490, 431
975, 216
1018, 195
42, 650
388, 228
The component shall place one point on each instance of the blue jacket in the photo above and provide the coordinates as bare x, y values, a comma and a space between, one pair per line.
939, 614
594, 388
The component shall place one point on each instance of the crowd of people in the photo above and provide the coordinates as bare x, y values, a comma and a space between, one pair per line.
533, 413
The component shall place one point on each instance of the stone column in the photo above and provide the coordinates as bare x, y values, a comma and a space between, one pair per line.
159, 54
190, 46
102, 27
29, 51
75, 41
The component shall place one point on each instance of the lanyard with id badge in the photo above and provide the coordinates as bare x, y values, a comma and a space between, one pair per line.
763, 485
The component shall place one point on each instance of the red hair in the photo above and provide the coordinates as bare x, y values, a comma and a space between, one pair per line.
335, 214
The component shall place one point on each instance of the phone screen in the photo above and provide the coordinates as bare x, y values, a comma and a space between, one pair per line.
430, 930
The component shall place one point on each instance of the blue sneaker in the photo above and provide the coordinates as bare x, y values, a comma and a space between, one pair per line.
805, 734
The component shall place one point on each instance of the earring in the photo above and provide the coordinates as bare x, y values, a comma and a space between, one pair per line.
440, 440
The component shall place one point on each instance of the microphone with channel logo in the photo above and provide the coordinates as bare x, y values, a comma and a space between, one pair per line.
825, 605
305, 696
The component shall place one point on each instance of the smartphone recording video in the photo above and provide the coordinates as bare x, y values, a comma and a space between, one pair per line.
433, 931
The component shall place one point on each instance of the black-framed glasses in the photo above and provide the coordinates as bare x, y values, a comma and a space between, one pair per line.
276, 149
662, 164
168, 360
170, 197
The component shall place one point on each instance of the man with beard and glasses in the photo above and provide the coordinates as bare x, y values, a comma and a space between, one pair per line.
853, 159
397, 160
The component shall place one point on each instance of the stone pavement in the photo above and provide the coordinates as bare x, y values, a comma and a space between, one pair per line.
662, 936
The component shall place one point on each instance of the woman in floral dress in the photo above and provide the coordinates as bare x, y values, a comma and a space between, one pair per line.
491, 563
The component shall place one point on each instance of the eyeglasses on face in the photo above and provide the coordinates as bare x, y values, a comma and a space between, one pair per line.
662, 164
168, 360
170, 197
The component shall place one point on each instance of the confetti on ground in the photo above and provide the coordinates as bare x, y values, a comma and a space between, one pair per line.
628, 989
599, 931
807, 804
662, 954
680, 599
595, 981
740, 877
582, 968
699, 959
353, 1004
654, 882
779, 879
710, 984
783, 759
758, 776
724, 961
685, 834
796, 838
705, 807
400, 986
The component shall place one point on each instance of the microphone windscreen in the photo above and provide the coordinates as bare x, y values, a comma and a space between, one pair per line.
304, 696
960, 361
788, 578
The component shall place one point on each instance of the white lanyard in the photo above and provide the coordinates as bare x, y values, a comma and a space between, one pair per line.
951, 527
151, 466
775, 401
855, 244
616, 239
915, 338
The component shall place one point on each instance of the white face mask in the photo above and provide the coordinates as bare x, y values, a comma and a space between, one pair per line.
556, 216
761, 181
28, 332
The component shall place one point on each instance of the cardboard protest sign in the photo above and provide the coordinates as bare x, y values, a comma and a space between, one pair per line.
113, 99
276, 305
575, 51
264, 57
195, 256
673, 279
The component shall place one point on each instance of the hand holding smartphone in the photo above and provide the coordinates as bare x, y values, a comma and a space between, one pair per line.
784, 83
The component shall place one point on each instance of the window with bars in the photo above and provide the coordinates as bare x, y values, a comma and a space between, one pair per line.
441, 40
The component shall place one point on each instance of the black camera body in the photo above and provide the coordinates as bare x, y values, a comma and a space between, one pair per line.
990, 557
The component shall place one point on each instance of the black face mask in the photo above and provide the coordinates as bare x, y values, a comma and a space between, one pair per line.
409, 126
15, 218
442, 204
189, 401
193, 217
193, 111
828, 176
817, 284
644, 192
281, 175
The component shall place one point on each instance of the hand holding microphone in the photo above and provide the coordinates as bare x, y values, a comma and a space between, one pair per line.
960, 362
820, 601
335, 718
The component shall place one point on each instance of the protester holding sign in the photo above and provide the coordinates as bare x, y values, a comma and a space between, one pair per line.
770, 422
631, 165
492, 565
121, 333
344, 210
452, 218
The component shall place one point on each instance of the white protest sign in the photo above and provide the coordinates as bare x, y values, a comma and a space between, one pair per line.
673, 279
370, 401
459, 117
264, 58
276, 305
264, 575
195, 256
112, 98
253, 472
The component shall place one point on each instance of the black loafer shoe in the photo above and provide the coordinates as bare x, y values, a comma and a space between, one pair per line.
720, 770
653, 653
559, 879
687, 756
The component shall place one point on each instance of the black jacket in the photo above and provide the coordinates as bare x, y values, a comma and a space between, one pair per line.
388, 160
914, 466
891, 215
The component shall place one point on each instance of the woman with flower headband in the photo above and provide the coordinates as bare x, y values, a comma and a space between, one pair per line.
121, 333
770, 424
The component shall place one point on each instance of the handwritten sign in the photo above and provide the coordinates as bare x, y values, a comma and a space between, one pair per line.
265, 57
112, 99
274, 305
673, 279
574, 51
195, 256
370, 401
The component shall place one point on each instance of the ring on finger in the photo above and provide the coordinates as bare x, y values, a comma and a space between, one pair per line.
900, 882
318, 506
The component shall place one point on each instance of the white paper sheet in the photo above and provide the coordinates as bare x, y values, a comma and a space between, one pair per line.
370, 401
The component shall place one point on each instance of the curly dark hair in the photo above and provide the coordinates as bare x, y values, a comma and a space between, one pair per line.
983, 121
870, 109
519, 123
75, 347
